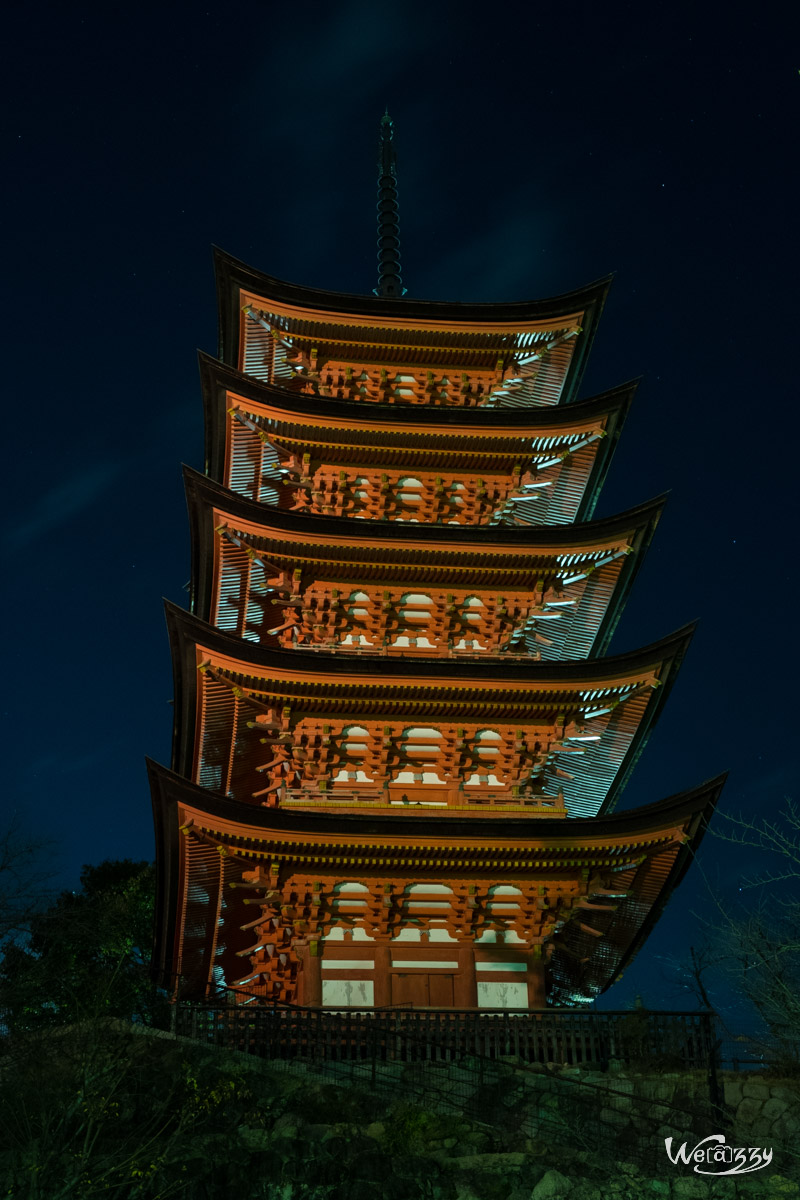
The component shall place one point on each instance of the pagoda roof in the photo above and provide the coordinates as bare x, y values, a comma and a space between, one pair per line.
499, 543
632, 687
488, 423
483, 327
421, 553
648, 850
467, 437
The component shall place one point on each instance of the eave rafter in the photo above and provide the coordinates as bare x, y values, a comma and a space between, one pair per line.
624, 835
371, 856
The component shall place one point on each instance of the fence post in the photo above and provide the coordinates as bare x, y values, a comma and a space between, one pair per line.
712, 1057
373, 1043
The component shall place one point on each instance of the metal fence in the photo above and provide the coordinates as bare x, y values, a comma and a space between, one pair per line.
756, 1051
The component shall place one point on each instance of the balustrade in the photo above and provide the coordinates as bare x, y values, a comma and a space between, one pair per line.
683, 1040
489, 802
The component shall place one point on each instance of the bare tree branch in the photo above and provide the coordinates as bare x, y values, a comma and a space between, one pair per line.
756, 942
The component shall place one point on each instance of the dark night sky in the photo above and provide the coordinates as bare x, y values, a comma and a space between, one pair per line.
540, 147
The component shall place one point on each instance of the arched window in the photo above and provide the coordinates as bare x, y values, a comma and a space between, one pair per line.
354, 741
469, 608
355, 731
416, 608
409, 489
487, 743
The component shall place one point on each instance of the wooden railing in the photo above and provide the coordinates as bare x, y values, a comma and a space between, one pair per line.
480, 803
407, 652
682, 1040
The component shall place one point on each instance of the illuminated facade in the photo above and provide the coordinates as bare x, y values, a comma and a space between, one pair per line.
398, 737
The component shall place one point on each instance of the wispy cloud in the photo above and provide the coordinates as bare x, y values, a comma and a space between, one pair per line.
59, 767
340, 59
62, 503
359, 33
504, 262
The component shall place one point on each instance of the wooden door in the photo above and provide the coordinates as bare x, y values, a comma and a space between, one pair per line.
440, 991
422, 990
410, 989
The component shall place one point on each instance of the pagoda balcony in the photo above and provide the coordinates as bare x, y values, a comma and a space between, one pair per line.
433, 801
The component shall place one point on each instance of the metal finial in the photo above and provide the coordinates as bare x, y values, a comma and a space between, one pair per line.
390, 283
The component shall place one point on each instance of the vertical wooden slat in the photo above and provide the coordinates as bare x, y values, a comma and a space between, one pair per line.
442, 1036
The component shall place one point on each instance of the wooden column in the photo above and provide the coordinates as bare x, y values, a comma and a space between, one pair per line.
383, 974
537, 997
310, 975
466, 985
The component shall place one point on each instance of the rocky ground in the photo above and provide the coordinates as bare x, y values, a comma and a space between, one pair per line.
130, 1113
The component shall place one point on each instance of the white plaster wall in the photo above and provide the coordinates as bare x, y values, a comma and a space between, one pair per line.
502, 995
359, 992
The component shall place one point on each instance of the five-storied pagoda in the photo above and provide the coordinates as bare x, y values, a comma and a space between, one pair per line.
398, 738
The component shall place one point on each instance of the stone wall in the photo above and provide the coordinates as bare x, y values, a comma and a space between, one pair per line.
763, 1109
501, 1132
642, 1108
498, 1130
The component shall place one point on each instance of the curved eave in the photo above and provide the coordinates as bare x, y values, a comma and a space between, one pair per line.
625, 926
204, 496
542, 833
234, 276
264, 830
207, 493
440, 672
219, 383
215, 375
700, 820
651, 515
187, 633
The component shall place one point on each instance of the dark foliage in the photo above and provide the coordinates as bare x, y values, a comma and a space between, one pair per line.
85, 955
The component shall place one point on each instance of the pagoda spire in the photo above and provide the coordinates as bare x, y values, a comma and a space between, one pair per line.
390, 284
